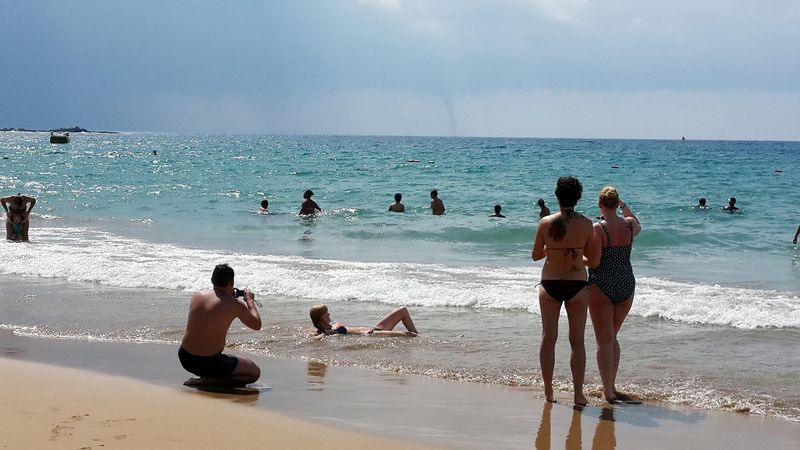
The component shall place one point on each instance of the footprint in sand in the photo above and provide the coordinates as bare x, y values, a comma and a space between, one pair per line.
60, 431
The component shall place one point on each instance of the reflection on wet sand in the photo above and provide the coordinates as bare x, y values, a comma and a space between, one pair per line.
604, 433
316, 372
574, 435
543, 435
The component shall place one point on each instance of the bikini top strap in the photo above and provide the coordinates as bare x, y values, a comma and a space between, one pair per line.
608, 238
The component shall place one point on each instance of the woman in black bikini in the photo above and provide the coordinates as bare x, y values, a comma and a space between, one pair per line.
17, 206
565, 240
323, 326
612, 285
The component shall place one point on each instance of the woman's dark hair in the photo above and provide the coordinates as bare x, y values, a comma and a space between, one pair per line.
308, 194
568, 191
265, 203
398, 197
222, 275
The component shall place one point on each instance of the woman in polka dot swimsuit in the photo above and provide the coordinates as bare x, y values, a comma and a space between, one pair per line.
612, 285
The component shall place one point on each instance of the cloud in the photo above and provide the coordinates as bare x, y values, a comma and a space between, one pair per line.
563, 10
655, 114
382, 4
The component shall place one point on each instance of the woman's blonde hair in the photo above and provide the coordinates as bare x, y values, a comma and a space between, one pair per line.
316, 313
609, 197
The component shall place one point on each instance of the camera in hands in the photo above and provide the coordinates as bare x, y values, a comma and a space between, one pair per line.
238, 293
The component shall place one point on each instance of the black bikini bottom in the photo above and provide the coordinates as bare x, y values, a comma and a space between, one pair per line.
563, 290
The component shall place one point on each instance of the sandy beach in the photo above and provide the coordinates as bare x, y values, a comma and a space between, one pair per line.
49, 407
304, 405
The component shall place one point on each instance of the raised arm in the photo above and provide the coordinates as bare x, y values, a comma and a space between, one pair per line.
796, 233
249, 313
627, 213
30, 200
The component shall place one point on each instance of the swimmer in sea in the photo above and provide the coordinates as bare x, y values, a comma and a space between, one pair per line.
397, 206
308, 207
437, 206
497, 209
701, 204
544, 211
385, 327
731, 208
264, 206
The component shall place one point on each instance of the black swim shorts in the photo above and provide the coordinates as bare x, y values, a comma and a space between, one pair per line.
217, 366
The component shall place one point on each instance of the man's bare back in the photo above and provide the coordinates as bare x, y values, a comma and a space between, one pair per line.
210, 316
211, 313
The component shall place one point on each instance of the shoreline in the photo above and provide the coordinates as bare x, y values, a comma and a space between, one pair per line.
364, 402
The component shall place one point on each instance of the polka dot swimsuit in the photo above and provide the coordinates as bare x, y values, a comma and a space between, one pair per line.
614, 275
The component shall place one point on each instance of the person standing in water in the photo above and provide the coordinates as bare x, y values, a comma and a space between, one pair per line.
544, 211
18, 209
565, 241
612, 285
497, 209
397, 206
437, 206
308, 207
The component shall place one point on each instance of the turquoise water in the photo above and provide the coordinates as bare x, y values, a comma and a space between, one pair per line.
112, 213
204, 190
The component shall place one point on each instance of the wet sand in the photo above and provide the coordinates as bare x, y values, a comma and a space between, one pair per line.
299, 401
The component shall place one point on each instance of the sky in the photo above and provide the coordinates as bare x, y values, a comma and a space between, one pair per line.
710, 69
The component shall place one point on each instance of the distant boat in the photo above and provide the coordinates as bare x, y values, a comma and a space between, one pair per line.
59, 137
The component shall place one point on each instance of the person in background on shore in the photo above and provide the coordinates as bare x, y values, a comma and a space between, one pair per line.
796, 233
544, 211
321, 320
264, 206
497, 209
397, 206
564, 239
437, 206
308, 207
612, 285
18, 208
211, 313
731, 208
701, 203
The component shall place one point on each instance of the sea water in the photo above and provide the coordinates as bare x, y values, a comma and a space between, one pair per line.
135, 221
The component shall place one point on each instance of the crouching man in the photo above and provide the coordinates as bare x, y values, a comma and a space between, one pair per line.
211, 313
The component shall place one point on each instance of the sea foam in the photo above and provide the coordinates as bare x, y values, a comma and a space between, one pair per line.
87, 255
